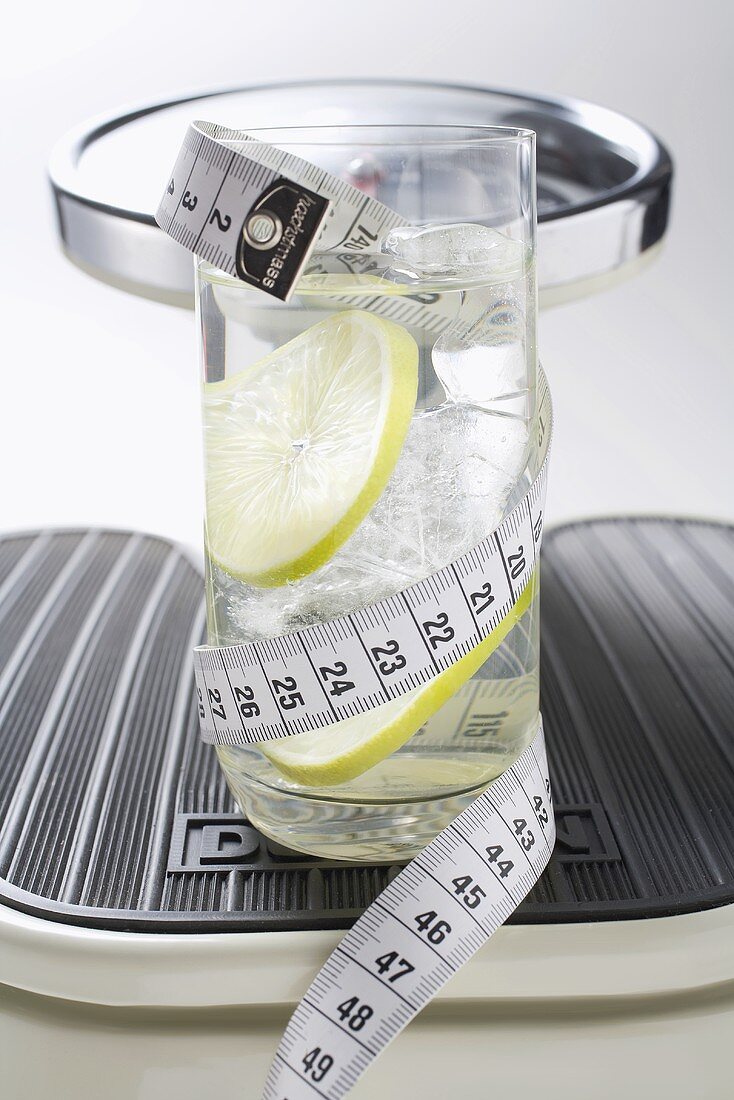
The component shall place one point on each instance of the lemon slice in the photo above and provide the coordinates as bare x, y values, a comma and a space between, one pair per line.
301, 445
346, 749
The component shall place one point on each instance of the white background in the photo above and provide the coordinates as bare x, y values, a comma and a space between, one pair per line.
99, 399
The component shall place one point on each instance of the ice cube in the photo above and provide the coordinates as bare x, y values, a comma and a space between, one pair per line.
449, 489
482, 358
455, 250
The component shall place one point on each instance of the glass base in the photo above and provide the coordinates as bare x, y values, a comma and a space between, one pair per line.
343, 830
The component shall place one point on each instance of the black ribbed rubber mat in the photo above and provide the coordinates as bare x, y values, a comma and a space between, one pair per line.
113, 814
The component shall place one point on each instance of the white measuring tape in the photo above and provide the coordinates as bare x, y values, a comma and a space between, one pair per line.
257, 213
426, 924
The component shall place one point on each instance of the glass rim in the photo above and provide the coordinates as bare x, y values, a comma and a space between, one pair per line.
473, 135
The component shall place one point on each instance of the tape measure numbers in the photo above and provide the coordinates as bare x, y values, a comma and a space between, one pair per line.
257, 213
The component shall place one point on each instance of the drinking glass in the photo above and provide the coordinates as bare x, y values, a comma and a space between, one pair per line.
444, 309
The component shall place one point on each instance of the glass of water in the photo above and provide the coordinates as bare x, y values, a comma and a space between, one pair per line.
357, 439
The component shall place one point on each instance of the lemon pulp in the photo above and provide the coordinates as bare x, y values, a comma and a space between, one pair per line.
300, 445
